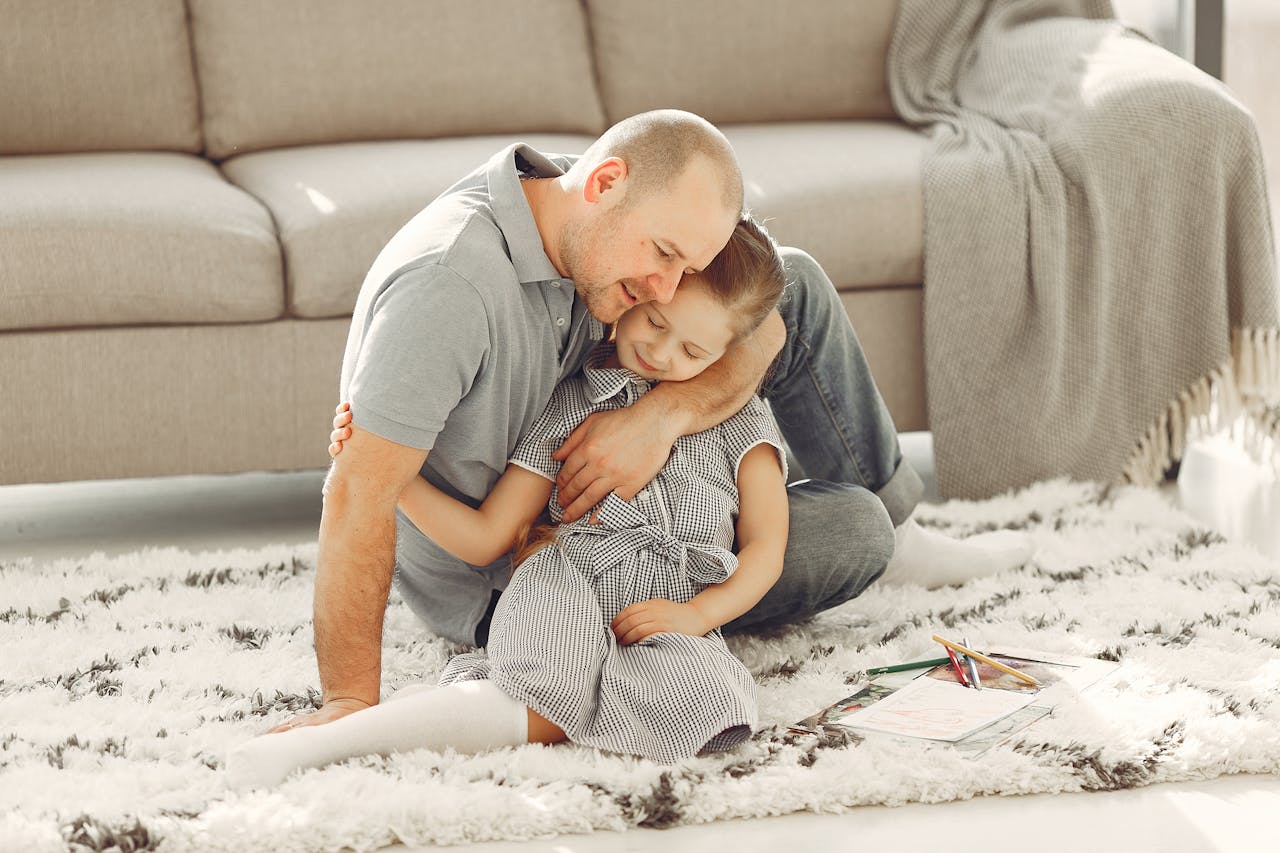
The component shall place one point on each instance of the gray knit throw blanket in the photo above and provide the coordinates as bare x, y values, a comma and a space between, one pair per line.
1099, 267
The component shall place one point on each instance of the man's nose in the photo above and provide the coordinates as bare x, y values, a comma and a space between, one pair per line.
664, 284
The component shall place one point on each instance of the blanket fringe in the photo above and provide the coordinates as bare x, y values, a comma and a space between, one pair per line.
1240, 397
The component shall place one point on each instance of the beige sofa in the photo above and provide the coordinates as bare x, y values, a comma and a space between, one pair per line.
191, 192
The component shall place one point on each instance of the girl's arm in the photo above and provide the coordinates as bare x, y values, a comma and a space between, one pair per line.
762, 541
476, 536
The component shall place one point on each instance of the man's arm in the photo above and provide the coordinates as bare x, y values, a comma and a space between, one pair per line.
353, 574
623, 450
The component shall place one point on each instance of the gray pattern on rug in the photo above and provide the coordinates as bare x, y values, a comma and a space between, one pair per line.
124, 681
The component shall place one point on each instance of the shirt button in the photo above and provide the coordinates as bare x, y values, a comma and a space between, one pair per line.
560, 321
643, 494
556, 284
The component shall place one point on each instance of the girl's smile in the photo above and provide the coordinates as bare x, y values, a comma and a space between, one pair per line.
678, 340
645, 364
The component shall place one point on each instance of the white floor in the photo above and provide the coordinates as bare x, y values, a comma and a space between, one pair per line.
1224, 490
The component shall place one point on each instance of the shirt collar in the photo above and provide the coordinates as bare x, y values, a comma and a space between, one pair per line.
512, 213
605, 383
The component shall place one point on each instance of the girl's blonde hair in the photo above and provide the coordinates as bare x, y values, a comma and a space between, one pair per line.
747, 278
530, 539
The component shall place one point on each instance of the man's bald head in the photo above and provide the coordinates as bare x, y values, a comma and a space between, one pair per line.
657, 195
658, 146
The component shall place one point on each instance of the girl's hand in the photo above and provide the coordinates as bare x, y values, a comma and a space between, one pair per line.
341, 430
658, 616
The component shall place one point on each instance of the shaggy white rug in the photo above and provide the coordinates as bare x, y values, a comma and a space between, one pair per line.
124, 681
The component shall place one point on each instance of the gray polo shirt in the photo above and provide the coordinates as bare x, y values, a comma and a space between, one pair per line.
461, 331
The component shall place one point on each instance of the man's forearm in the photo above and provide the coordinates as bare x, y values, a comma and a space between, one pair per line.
723, 388
353, 578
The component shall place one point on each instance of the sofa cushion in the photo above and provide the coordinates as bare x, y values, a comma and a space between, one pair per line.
337, 205
769, 61
126, 238
849, 193
295, 72
96, 75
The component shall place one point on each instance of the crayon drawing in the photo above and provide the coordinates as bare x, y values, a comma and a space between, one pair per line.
835, 715
936, 710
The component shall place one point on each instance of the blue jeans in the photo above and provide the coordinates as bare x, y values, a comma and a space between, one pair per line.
841, 435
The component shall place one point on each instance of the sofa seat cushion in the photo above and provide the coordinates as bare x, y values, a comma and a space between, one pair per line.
336, 206
848, 192
131, 238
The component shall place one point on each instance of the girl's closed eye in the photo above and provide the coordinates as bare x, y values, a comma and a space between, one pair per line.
654, 323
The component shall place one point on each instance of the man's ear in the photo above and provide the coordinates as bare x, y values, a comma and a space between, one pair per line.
608, 177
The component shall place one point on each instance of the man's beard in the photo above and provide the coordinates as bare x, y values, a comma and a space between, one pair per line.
581, 248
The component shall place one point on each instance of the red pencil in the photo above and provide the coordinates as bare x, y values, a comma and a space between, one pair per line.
955, 664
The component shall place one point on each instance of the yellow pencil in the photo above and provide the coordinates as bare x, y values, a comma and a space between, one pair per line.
988, 661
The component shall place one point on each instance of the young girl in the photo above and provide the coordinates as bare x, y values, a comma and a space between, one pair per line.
608, 633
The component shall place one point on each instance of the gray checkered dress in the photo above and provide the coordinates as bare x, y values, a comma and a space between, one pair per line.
670, 696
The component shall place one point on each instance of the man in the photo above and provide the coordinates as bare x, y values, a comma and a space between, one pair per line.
495, 292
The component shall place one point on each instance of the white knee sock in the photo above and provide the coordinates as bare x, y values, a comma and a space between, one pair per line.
467, 716
930, 559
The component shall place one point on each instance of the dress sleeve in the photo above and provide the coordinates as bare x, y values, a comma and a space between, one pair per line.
563, 413
752, 425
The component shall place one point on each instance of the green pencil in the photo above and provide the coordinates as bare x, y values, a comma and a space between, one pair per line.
903, 667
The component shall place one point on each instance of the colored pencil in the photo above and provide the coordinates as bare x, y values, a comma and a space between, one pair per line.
955, 664
984, 659
903, 667
973, 667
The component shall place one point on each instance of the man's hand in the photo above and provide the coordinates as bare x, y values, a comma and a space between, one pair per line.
334, 709
658, 616
617, 451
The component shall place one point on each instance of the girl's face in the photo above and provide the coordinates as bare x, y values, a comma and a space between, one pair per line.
678, 340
